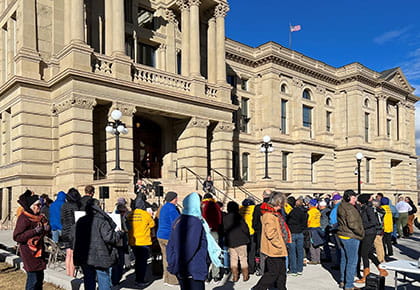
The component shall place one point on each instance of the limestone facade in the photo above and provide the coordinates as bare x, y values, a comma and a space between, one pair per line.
191, 100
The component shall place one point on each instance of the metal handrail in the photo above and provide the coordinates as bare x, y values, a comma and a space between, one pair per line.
98, 172
229, 182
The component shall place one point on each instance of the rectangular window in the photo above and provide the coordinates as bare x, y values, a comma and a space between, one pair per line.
368, 169
366, 127
128, 11
314, 160
307, 116
244, 115
388, 128
328, 121
244, 84
284, 170
178, 62
129, 45
397, 122
231, 79
245, 168
147, 54
283, 125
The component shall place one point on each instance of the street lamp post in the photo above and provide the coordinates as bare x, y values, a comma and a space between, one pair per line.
266, 147
359, 157
116, 127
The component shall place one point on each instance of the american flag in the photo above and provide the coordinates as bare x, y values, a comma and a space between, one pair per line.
294, 28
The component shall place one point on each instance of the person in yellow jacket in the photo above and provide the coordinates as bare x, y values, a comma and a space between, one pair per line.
140, 224
247, 211
314, 226
388, 227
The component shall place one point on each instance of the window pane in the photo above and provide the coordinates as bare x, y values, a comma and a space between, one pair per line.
328, 122
306, 94
366, 127
307, 120
283, 125
245, 167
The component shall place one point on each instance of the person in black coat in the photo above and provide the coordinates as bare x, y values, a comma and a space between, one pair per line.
95, 247
370, 223
71, 205
236, 233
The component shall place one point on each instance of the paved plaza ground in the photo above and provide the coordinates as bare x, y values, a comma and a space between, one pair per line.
315, 277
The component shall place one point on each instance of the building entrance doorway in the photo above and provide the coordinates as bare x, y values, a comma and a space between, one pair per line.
147, 148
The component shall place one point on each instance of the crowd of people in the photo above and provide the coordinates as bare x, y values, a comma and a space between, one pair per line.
204, 239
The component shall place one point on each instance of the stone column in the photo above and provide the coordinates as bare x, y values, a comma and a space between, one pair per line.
11, 49
126, 142
75, 143
161, 57
118, 25
170, 41
211, 51
382, 116
67, 22
185, 29
108, 27
77, 21
221, 148
220, 13
192, 146
195, 37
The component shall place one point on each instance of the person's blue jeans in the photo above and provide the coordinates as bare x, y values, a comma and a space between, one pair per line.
296, 253
349, 260
55, 234
90, 274
34, 280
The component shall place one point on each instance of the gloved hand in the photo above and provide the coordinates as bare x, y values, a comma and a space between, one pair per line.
47, 228
39, 229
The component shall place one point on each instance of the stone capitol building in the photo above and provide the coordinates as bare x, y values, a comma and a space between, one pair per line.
194, 103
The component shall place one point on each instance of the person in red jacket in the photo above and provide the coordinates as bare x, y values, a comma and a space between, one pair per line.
213, 215
31, 227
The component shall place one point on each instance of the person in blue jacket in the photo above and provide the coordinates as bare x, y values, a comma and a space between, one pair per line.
168, 213
190, 245
55, 216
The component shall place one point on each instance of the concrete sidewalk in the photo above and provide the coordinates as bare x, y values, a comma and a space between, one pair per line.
315, 277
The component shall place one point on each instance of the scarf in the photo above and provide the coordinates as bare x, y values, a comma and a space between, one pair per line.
285, 231
35, 243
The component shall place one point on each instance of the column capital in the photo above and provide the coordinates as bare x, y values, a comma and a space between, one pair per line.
221, 10
183, 4
224, 127
170, 16
194, 2
297, 82
196, 122
126, 109
74, 101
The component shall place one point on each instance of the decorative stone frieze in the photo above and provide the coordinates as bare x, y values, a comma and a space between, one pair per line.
297, 83
170, 16
224, 127
221, 10
195, 2
196, 122
76, 101
320, 90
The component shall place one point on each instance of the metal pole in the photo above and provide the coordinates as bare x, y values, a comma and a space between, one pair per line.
266, 161
358, 177
117, 151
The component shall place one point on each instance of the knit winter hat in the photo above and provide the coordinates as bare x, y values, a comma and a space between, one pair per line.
170, 196
384, 201
26, 201
337, 197
322, 203
364, 198
313, 202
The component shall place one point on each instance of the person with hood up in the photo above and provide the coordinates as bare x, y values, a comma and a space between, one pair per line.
366, 250
190, 245
140, 224
247, 212
55, 216
31, 227
275, 235
68, 221
95, 245
236, 234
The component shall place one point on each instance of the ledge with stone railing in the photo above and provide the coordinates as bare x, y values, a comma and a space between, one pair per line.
146, 75
211, 91
102, 64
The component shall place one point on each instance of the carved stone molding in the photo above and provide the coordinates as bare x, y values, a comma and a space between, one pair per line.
224, 127
170, 16
183, 4
195, 2
126, 109
297, 82
320, 90
196, 122
74, 102
221, 10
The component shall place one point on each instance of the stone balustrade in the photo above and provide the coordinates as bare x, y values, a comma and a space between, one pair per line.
211, 91
102, 64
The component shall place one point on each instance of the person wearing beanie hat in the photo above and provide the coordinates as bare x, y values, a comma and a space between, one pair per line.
314, 227
370, 222
336, 197
31, 227
168, 214
388, 227
336, 200
247, 212
325, 213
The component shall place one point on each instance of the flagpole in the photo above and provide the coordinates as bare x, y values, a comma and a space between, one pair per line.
290, 35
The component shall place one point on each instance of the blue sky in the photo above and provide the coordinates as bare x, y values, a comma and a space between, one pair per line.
380, 34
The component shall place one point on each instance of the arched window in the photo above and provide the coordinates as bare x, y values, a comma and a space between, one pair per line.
306, 94
283, 89
328, 102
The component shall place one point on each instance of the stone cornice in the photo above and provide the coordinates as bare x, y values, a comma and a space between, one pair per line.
221, 10
197, 122
224, 127
74, 101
